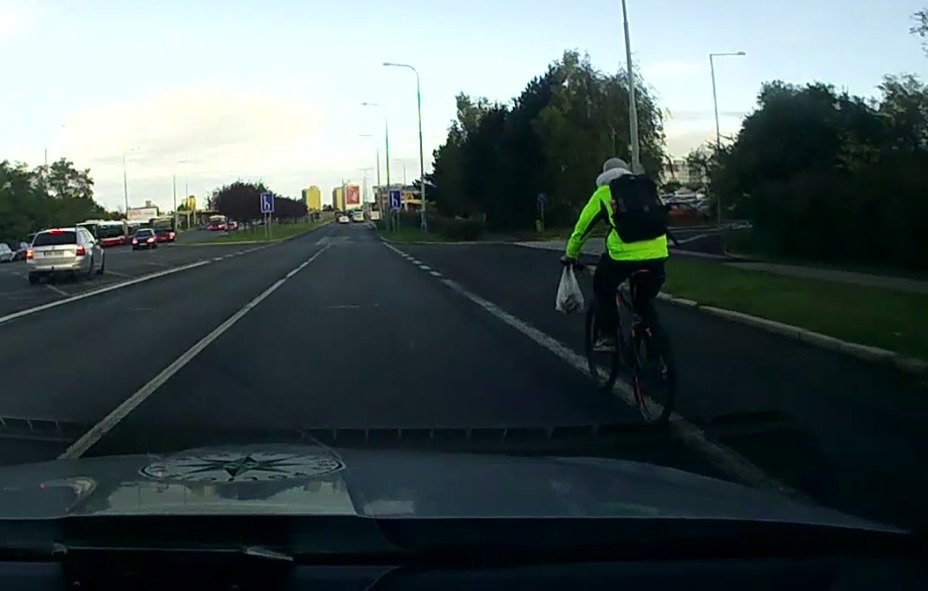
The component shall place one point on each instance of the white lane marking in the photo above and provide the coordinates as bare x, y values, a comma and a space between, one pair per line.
434, 273
156, 264
693, 238
425, 267
57, 290
88, 439
217, 259
106, 289
118, 274
16, 273
724, 458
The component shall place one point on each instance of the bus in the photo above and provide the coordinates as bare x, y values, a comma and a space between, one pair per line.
108, 233
218, 223
164, 228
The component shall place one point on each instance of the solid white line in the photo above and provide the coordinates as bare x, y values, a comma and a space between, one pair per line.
108, 288
88, 439
724, 458
729, 461
56, 290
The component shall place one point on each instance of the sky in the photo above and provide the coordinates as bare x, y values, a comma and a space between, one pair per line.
210, 91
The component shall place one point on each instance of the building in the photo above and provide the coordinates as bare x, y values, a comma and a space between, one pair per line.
313, 198
678, 170
338, 198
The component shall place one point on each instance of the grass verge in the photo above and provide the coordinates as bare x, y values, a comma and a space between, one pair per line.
410, 236
256, 233
872, 316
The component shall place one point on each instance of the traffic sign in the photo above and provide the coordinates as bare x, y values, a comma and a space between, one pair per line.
395, 200
267, 203
542, 198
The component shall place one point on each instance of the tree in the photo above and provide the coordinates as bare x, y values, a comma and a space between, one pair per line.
241, 201
43, 197
828, 176
551, 139
920, 27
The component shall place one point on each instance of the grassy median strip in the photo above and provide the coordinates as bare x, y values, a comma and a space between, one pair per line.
410, 236
257, 233
873, 316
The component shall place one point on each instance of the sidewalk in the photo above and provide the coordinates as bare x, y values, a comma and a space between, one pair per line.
837, 276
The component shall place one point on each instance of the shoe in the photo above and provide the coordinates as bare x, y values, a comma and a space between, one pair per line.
605, 345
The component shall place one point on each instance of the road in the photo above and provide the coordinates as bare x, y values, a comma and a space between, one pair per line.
338, 335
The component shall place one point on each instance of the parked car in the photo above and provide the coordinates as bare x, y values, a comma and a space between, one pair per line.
64, 251
144, 238
6, 253
343, 219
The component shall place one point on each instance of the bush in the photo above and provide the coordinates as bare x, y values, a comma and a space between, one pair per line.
457, 229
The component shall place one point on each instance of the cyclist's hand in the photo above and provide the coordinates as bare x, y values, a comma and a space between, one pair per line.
570, 261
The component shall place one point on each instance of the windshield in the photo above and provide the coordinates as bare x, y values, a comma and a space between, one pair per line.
679, 239
55, 238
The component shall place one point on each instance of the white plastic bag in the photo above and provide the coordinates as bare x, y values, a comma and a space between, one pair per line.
569, 297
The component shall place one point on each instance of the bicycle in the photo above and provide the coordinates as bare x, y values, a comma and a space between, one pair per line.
643, 348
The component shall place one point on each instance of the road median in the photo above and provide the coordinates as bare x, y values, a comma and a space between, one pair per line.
256, 234
872, 323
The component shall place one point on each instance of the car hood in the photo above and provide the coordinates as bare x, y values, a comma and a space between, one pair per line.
316, 480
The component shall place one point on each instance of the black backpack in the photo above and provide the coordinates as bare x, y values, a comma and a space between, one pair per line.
638, 212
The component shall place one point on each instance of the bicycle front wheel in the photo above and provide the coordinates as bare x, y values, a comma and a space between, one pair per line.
654, 378
603, 366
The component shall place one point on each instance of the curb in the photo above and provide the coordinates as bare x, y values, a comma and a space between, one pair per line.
876, 355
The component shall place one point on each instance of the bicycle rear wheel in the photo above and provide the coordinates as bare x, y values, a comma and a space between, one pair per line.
654, 379
604, 367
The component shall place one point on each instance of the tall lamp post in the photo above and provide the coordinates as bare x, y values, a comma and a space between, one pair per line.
125, 180
421, 153
174, 184
715, 104
632, 107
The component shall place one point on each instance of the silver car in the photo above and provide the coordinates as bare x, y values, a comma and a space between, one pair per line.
6, 253
71, 251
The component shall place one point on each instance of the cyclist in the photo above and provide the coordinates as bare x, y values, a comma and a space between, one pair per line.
620, 260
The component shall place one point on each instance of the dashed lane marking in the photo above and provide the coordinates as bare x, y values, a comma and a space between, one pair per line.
57, 290
88, 439
729, 461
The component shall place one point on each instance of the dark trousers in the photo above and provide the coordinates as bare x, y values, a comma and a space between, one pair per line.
610, 273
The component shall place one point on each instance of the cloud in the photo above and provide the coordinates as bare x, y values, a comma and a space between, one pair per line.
17, 17
219, 133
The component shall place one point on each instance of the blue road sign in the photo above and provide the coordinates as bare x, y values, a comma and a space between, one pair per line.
395, 200
267, 203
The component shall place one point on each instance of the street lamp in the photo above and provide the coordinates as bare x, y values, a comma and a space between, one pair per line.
715, 103
369, 135
632, 107
421, 153
125, 179
386, 140
174, 184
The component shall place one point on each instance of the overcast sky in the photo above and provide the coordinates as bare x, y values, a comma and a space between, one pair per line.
272, 89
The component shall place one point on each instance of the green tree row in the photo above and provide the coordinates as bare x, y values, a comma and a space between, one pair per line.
825, 175
552, 139
42, 197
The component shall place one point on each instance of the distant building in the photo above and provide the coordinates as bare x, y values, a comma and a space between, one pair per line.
679, 170
313, 198
338, 198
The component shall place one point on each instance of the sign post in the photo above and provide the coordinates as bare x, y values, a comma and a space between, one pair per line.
267, 208
396, 204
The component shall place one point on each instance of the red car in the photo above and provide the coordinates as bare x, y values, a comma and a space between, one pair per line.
218, 227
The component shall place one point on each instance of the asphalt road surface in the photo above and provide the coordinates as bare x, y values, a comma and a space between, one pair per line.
335, 334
